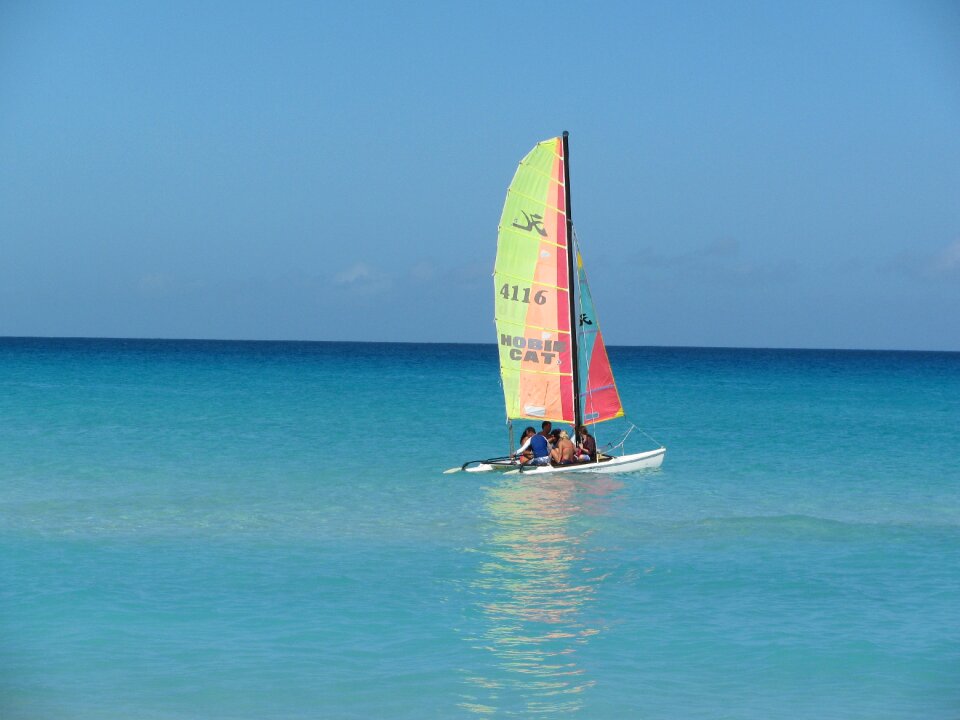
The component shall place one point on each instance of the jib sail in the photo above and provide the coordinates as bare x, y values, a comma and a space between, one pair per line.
599, 399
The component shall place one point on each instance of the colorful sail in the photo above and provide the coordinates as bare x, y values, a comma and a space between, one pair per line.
531, 290
599, 399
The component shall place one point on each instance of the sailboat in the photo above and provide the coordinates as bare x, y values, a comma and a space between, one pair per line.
553, 361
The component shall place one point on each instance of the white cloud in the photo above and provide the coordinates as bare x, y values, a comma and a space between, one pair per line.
358, 272
362, 278
942, 264
718, 261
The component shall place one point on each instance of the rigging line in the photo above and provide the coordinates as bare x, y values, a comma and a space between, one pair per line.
649, 436
624, 439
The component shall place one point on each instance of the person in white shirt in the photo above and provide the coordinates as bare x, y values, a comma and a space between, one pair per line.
524, 453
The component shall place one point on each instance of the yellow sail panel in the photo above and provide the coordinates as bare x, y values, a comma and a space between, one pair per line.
531, 290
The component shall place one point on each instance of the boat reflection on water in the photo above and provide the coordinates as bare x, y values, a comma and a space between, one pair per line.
536, 576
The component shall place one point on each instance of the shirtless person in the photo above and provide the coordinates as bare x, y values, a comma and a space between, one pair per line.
565, 452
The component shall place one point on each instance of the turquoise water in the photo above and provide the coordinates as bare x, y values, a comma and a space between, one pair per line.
263, 530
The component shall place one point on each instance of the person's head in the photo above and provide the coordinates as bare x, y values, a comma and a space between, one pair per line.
546, 426
564, 435
528, 432
582, 430
555, 434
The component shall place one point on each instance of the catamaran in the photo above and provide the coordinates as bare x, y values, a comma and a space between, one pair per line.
553, 362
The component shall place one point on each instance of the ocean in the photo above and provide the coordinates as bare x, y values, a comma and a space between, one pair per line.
260, 531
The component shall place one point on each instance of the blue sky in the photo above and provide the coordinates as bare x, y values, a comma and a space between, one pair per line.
743, 174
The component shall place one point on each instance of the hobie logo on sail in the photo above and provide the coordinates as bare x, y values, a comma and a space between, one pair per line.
534, 222
533, 349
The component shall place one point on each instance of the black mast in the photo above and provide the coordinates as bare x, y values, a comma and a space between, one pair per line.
577, 417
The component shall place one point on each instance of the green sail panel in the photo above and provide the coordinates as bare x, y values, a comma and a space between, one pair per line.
532, 290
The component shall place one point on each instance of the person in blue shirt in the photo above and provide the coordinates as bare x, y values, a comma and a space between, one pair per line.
540, 445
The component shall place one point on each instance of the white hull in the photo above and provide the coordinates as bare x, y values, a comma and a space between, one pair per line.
622, 464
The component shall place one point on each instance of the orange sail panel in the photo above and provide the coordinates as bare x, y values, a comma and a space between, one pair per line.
531, 290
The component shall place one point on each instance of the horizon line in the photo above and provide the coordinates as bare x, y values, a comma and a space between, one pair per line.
444, 342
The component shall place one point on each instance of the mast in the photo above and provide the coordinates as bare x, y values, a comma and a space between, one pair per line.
577, 412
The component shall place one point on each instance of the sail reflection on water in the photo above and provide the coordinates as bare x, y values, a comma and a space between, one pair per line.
536, 576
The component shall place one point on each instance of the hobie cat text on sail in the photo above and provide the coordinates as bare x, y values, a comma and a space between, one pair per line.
537, 350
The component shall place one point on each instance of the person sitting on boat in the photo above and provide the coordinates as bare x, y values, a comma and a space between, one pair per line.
524, 452
554, 439
586, 445
540, 445
565, 451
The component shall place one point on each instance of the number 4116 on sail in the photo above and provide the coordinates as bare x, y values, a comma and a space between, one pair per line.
513, 292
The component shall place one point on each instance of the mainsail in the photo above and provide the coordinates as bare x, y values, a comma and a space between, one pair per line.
533, 311
532, 290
